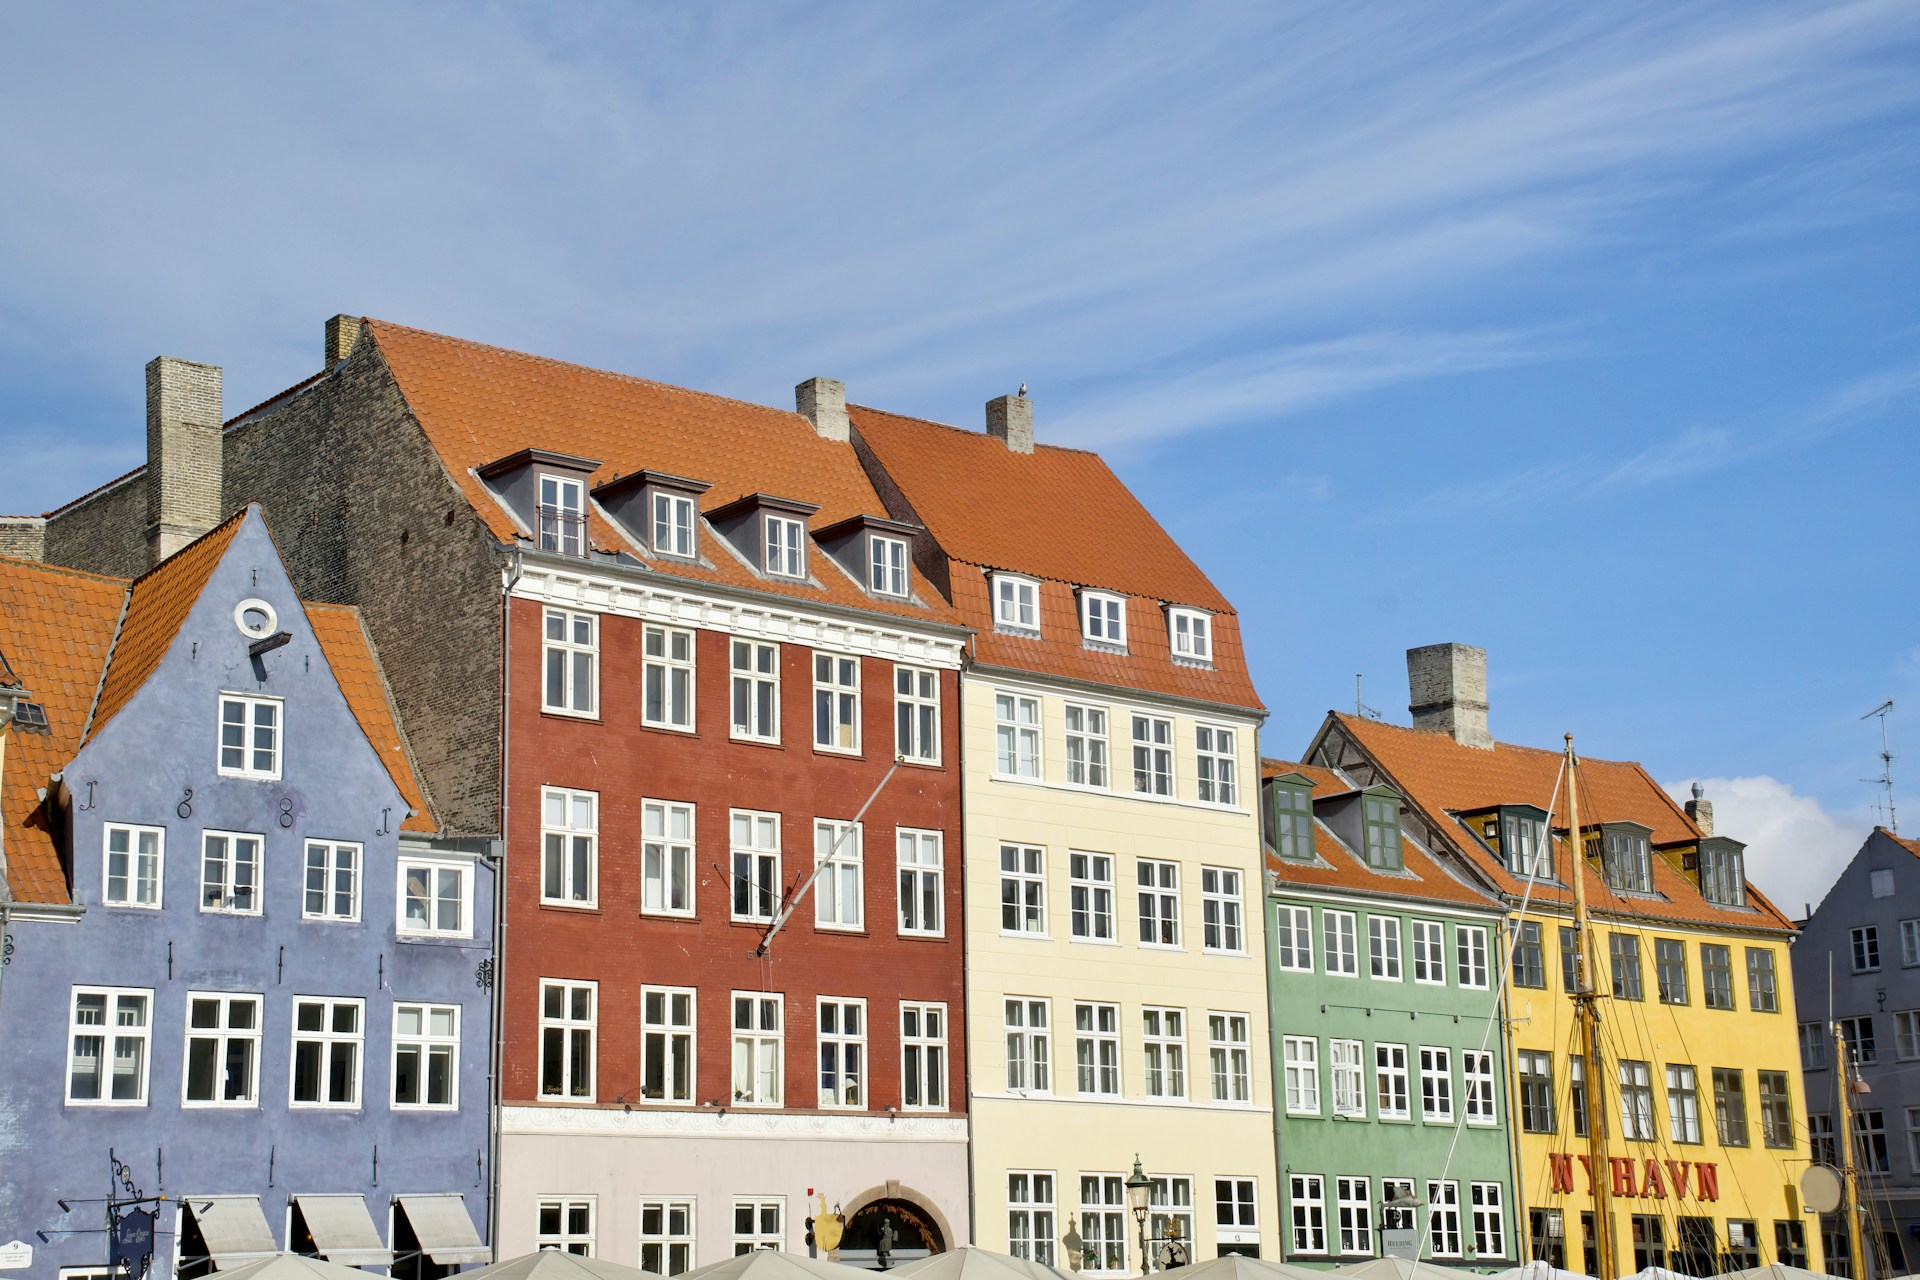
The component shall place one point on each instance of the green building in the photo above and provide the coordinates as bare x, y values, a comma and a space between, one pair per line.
1388, 1044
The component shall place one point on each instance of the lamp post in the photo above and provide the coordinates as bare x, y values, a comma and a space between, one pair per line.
1139, 1191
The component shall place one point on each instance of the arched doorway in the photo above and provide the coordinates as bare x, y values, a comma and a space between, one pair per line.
915, 1233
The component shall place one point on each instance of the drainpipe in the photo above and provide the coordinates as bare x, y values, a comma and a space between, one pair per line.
509, 577
8, 699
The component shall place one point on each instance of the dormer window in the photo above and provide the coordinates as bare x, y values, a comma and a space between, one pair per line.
1523, 842
673, 525
1016, 603
1103, 618
1381, 817
561, 516
547, 494
1723, 875
1625, 856
1191, 634
786, 547
658, 511
887, 569
1290, 814
875, 551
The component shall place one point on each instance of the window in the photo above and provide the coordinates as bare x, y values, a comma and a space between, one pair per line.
1906, 1035
673, 525
1476, 1086
1761, 994
1096, 1048
1215, 765
1489, 1221
571, 655
1307, 1196
919, 857
1383, 947
887, 567
1524, 844
1353, 1200
562, 518
1696, 1251
1913, 1136
1103, 1221
1192, 634
570, 837
1337, 930
839, 895
1790, 1244
786, 547
1016, 603
1234, 1206
1023, 889
757, 1049
1743, 1244
1170, 1217
666, 1236
1229, 1057
1090, 896
1670, 969
1430, 952
134, 858
1649, 1241
1857, 1034
1636, 1100
1301, 1058
1159, 885
1470, 952
1624, 954
1028, 1046
1436, 1084
836, 703
1397, 1189
1291, 807
1030, 1232
1880, 882
1164, 1035
1529, 956
843, 1052
1866, 949
1443, 1218
223, 1051
1730, 1107
1536, 1092
1716, 975
923, 1056
426, 1055
666, 678
1628, 866
327, 1039
1820, 1139
1293, 938
1016, 728
435, 898
1910, 942
756, 691
1683, 1103
1152, 756
1086, 745
566, 1225
1870, 1140
758, 1224
1577, 1097
1722, 877
1776, 1109
333, 881
667, 1044
916, 714
230, 873
1390, 1082
1569, 959
249, 737
1813, 1046
756, 864
1381, 816
666, 858
1103, 619
568, 1019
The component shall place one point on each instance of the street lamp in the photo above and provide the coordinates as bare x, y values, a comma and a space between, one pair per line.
1139, 1190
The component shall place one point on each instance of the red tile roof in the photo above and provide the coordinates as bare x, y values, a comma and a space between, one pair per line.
1911, 846
1325, 781
350, 656
1063, 517
1442, 778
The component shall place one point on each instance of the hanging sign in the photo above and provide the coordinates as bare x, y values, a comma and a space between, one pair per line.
15, 1255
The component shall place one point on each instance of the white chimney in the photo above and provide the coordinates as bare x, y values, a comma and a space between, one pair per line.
823, 402
1010, 420
1447, 687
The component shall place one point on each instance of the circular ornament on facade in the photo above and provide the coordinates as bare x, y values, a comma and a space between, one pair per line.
255, 618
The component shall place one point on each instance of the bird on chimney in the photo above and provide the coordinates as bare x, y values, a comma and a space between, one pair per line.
1023, 390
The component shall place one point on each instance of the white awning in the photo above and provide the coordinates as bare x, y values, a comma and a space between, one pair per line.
235, 1230
445, 1232
343, 1231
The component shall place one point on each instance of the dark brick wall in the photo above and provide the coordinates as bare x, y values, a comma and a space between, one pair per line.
106, 532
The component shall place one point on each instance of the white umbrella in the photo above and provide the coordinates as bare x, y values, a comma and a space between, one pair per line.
550, 1264
1538, 1270
771, 1264
1235, 1266
970, 1263
1401, 1269
292, 1266
1773, 1271
1658, 1273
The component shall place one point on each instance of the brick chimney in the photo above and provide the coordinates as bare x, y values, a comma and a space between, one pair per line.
1010, 420
823, 402
1447, 687
1700, 809
23, 537
183, 453
341, 331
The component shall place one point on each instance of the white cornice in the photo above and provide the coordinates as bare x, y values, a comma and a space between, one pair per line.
733, 1123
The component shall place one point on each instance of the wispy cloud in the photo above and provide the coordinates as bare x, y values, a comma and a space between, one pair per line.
1796, 848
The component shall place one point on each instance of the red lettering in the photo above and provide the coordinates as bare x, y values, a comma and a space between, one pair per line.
1559, 1174
1706, 1179
1651, 1183
1622, 1170
1586, 1162
1677, 1170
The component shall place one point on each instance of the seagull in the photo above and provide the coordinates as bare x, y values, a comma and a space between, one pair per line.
1023, 389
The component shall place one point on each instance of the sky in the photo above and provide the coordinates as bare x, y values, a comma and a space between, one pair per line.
1587, 334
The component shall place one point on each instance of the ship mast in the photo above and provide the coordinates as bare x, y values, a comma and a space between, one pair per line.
1587, 1016
1849, 1175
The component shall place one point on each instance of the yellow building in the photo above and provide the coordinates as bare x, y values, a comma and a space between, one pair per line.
1701, 1094
1116, 990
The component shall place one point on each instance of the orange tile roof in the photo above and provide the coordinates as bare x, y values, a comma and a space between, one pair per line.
1063, 517
350, 655
1911, 846
1325, 781
478, 404
56, 627
1443, 778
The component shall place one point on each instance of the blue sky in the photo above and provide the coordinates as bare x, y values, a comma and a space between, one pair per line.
1589, 334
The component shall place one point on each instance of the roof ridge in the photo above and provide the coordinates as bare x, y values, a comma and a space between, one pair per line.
97, 490
973, 435
1347, 717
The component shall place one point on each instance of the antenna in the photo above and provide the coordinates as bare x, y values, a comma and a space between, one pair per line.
1360, 707
1886, 763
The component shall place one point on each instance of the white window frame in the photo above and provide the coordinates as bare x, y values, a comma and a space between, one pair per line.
1353, 1200
1016, 603
332, 864
1236, 1205
574, 660
916, 713
840, 892
1031, 1214
674, 520
673, 1044
434, 868
753, 690
836, 702
760, 1042
1910, 943
670, 1246
1216, 765
1347, 1078
1163, 1036
1392, 1082
1104, 1222
1169, 1216
1489, 1220
1470, 953
1906, 1035
1028, 1021
1383, 949
1103, 618
1307, 1204
229, 864
1436, 1084
1339, 938
567, 537
1300, 1059
923, 1055
841, 1053
250, 767
1028, 878
1152, 755
566, 1240
328, 1041
1190, 635
1223, 930
758, 1235
571, 835
1088, 753
1864, 944
1096, 1049
1293, 938
1230, 1056
1157, 891
920, 865
223, 1035
145, 878
569, 1027
887, 566
675, 674
1090, 897
760, 849
429, 1046
1443, 1218
1016, 733
1430, 953
786, 547
667, 857
1476, 1088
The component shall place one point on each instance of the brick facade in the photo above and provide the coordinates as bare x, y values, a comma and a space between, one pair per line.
23, 537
